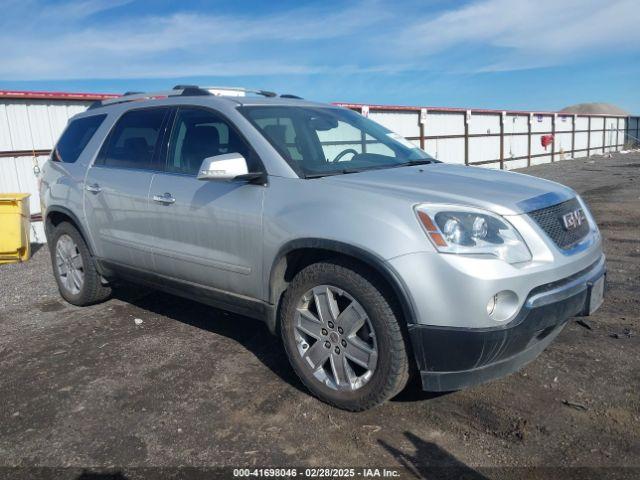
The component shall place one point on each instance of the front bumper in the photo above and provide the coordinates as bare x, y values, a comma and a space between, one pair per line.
451, 358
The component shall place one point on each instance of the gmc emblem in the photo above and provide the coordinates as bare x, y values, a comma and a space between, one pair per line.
573, 219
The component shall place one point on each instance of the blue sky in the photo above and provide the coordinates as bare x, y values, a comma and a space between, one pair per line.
511, 54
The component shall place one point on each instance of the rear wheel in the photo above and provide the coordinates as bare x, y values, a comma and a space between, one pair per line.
343, 337
74, 269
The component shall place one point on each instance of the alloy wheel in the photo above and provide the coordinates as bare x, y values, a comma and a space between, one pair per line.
69, 264
335, 338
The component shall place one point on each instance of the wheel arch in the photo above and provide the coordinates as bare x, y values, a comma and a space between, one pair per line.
297, 254
56, 214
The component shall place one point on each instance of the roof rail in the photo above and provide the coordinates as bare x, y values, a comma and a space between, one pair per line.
265, 93
191, 90
178, 91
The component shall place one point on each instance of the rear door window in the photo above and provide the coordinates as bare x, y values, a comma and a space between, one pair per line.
134, 140
75, 138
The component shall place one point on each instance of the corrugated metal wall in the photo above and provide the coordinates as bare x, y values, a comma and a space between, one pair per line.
29, 128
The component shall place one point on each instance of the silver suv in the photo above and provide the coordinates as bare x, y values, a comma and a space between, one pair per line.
367, 256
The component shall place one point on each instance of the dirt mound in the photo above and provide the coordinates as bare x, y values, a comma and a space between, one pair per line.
595, 108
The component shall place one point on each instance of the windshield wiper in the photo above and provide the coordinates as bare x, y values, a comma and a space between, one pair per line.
344, 171
422, 161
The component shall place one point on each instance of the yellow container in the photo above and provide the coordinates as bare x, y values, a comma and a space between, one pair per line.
15, 228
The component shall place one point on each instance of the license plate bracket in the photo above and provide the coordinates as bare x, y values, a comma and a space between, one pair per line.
595, 295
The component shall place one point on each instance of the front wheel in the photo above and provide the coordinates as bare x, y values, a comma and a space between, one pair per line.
342, 336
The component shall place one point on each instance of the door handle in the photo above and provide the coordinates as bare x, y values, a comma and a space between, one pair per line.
166, 199
93, 188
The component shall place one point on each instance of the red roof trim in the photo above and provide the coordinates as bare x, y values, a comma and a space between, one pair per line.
30, 95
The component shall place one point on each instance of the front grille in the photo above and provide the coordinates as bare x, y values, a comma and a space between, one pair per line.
550, 220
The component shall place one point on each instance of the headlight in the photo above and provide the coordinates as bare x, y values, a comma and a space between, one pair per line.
472, 231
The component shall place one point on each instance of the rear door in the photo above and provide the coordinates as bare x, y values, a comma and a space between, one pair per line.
207, 232
117, 187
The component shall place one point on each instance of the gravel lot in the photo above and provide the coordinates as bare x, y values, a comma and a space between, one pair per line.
193, 386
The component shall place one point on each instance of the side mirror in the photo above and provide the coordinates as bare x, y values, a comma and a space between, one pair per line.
223, 167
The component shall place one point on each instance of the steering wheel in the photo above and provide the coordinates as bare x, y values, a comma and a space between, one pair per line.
343, 153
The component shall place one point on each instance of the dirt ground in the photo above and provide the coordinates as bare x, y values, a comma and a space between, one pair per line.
192, 386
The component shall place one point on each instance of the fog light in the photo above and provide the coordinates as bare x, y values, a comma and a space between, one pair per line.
502, 306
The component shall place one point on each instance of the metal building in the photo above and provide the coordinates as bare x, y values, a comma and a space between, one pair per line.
30, 124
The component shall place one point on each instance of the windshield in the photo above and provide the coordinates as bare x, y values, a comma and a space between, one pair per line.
319, 141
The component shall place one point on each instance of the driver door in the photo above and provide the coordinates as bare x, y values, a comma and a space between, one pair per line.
207, 232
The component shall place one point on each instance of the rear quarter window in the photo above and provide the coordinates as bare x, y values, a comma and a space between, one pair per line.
75, 138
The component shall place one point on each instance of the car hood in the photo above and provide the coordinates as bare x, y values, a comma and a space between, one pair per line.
505, 193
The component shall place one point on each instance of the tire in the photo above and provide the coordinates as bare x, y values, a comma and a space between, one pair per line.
332, 381
67, 245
